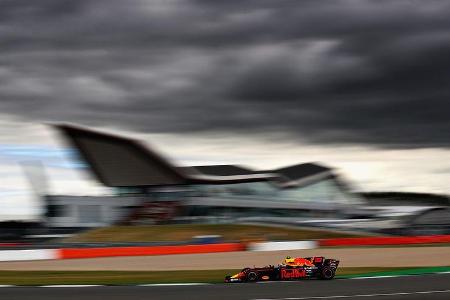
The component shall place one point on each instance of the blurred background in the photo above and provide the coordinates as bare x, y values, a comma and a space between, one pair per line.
323, 115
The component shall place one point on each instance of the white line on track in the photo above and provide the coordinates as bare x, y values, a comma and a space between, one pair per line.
278, 282
5, 285
377, 277
69, 285
362, 295
173, 284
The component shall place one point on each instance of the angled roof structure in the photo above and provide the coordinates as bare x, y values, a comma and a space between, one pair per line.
303, 174
224, 170
119, 161
300, 171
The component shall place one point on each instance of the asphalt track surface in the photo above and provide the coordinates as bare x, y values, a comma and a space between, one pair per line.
435, 286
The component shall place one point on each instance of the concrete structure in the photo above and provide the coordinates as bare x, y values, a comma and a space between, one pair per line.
148, 188
217, 193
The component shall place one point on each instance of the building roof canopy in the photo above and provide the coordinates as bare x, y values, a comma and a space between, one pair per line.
120, 161
117, 161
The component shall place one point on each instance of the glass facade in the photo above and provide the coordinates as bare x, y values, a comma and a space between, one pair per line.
249, 190
325, 191
323, 198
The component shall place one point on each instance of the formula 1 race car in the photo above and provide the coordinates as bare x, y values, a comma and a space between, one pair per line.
290, 269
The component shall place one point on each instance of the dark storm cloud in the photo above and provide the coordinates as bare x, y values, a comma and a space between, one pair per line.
365, 72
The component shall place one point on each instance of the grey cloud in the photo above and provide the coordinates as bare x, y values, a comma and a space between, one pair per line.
363, 72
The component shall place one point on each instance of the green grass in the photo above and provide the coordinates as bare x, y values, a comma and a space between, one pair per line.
146, 277
177, 233
358, 272
110, 277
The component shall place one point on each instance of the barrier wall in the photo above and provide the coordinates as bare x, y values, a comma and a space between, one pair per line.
38, 254
154, 250
380, 241
277, 246
69, 253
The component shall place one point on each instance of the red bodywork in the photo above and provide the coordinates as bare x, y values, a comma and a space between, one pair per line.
292, 273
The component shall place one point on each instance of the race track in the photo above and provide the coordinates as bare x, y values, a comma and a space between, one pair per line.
410, 287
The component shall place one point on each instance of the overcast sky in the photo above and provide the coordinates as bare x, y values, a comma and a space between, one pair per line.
360, 85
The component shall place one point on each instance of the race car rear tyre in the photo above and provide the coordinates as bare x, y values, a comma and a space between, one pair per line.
327, 273
252, 277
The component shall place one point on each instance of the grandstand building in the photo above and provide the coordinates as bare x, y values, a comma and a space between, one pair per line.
149, 188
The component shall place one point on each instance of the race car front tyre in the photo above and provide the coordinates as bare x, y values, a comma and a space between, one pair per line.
327, 273
252, 277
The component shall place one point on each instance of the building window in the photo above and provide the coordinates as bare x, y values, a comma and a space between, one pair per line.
54, 211
90, 214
